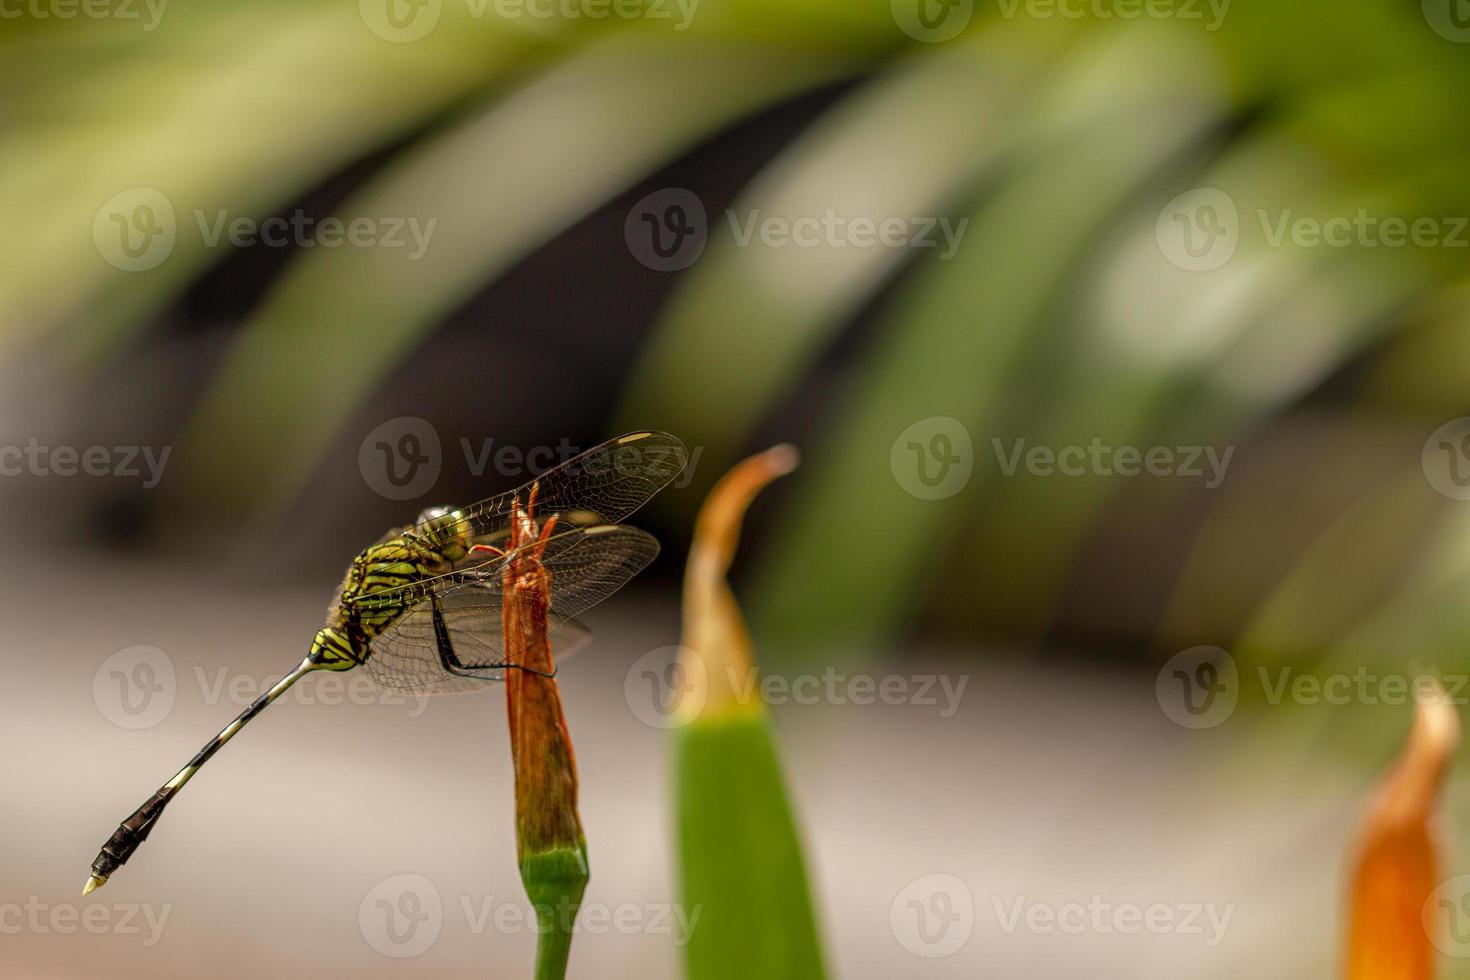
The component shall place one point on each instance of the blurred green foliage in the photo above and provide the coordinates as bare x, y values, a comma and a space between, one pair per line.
1058, 320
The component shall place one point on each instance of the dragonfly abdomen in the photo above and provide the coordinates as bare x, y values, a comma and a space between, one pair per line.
333, 649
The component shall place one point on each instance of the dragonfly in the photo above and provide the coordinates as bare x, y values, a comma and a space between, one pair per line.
421, 610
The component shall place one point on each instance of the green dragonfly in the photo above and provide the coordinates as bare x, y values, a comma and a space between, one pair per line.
421, 610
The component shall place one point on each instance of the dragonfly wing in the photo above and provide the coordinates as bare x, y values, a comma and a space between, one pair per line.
406, 658
586, 565
601, 486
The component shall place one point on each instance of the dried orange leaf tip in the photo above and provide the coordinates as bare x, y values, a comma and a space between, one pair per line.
782, 459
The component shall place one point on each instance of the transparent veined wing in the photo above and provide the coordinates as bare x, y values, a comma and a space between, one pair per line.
601, 486
586, 566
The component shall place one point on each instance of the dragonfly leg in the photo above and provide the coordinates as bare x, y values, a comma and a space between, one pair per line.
450, 661
483, 549
530, 670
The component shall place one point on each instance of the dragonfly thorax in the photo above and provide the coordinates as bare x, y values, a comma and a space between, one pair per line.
415, 553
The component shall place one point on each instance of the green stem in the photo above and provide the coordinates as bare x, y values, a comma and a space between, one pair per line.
555, 880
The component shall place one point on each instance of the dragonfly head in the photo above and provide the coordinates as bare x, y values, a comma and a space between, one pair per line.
331, 650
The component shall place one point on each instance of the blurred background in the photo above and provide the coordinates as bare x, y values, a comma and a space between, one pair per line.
1127, 345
